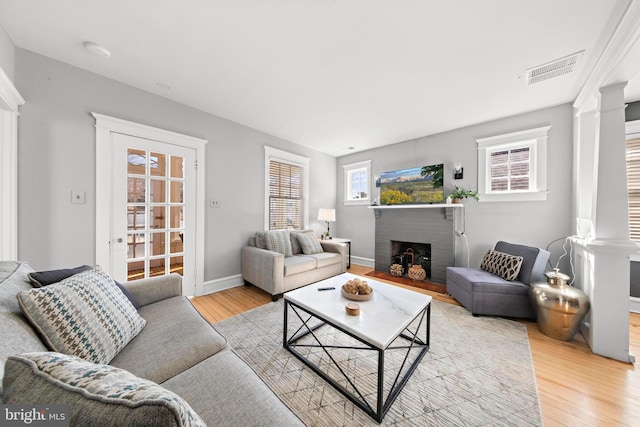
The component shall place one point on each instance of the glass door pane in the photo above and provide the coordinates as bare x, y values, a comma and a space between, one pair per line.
155, 214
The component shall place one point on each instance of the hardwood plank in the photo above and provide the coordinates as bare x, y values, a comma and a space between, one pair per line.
575, 386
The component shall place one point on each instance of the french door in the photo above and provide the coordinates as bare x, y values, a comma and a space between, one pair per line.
153, 209
149, 203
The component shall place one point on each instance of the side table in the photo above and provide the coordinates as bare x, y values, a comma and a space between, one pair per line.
348, 242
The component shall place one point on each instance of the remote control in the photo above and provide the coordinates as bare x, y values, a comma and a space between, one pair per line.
326, 289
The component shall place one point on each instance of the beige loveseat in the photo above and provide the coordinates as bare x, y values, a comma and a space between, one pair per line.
277, 262
177, 356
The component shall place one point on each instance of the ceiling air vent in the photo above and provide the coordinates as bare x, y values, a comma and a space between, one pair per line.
553, 69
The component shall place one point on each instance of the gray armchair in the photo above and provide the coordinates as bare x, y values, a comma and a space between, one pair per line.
485, 293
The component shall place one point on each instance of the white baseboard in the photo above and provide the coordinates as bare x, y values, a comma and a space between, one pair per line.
367, 262
634, 304
221, 284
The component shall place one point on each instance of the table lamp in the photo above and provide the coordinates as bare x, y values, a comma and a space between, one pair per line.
327, 215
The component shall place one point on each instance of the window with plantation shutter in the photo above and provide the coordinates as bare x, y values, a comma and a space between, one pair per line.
633, 187
510, 169
513, 167
286, 178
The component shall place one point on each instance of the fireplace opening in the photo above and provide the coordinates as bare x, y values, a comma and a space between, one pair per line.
411, 253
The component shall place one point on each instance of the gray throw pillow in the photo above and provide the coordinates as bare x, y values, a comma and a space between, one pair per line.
279, 241
49, 277
295, 246
260, 240
85, 315
95, 394
309, 243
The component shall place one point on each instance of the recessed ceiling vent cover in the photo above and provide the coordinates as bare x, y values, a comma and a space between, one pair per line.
553, 69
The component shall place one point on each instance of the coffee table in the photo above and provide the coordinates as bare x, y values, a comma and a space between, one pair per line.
389, 322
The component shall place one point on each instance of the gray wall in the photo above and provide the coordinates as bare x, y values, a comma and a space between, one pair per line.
7, 54
57, 154
530, 223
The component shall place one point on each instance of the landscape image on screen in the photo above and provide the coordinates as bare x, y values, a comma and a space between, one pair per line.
414, 185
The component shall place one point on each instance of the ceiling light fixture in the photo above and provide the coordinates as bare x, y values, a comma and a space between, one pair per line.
97, 49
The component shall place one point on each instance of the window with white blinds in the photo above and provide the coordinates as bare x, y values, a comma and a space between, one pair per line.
286, 190
285, 195
633, 188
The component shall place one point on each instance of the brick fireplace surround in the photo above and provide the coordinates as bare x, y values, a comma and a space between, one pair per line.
430, 224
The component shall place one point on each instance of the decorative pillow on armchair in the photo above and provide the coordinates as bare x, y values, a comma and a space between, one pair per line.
96, 394
85, 315
501, 264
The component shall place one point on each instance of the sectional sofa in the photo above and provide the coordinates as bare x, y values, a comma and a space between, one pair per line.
175, 371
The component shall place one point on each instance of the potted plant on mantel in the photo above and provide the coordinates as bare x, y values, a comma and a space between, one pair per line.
460, 193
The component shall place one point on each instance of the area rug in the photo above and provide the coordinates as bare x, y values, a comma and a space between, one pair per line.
478, 372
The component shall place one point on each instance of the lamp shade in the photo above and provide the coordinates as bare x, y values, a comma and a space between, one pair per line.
325, 214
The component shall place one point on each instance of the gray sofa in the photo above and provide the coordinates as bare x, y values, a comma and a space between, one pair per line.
276, 273
177, 349
482, 292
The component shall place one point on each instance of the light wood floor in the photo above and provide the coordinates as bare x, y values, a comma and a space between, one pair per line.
576, 387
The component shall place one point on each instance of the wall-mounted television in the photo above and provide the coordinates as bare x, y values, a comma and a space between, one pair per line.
419, 185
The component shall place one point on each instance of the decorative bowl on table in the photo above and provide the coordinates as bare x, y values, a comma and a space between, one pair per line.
357, 290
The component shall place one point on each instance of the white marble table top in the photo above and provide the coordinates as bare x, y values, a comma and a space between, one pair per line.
381, 319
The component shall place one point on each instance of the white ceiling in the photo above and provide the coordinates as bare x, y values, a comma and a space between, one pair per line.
329, 74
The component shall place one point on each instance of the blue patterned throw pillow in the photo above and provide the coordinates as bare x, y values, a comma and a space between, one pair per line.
96, 394
85, 315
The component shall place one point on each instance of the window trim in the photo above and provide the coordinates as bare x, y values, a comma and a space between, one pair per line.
632, 131
275, 154
348, 170
536, 139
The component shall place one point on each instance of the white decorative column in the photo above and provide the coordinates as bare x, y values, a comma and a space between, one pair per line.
603, 247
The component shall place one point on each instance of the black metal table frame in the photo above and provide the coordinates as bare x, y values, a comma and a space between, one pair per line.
382, 405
